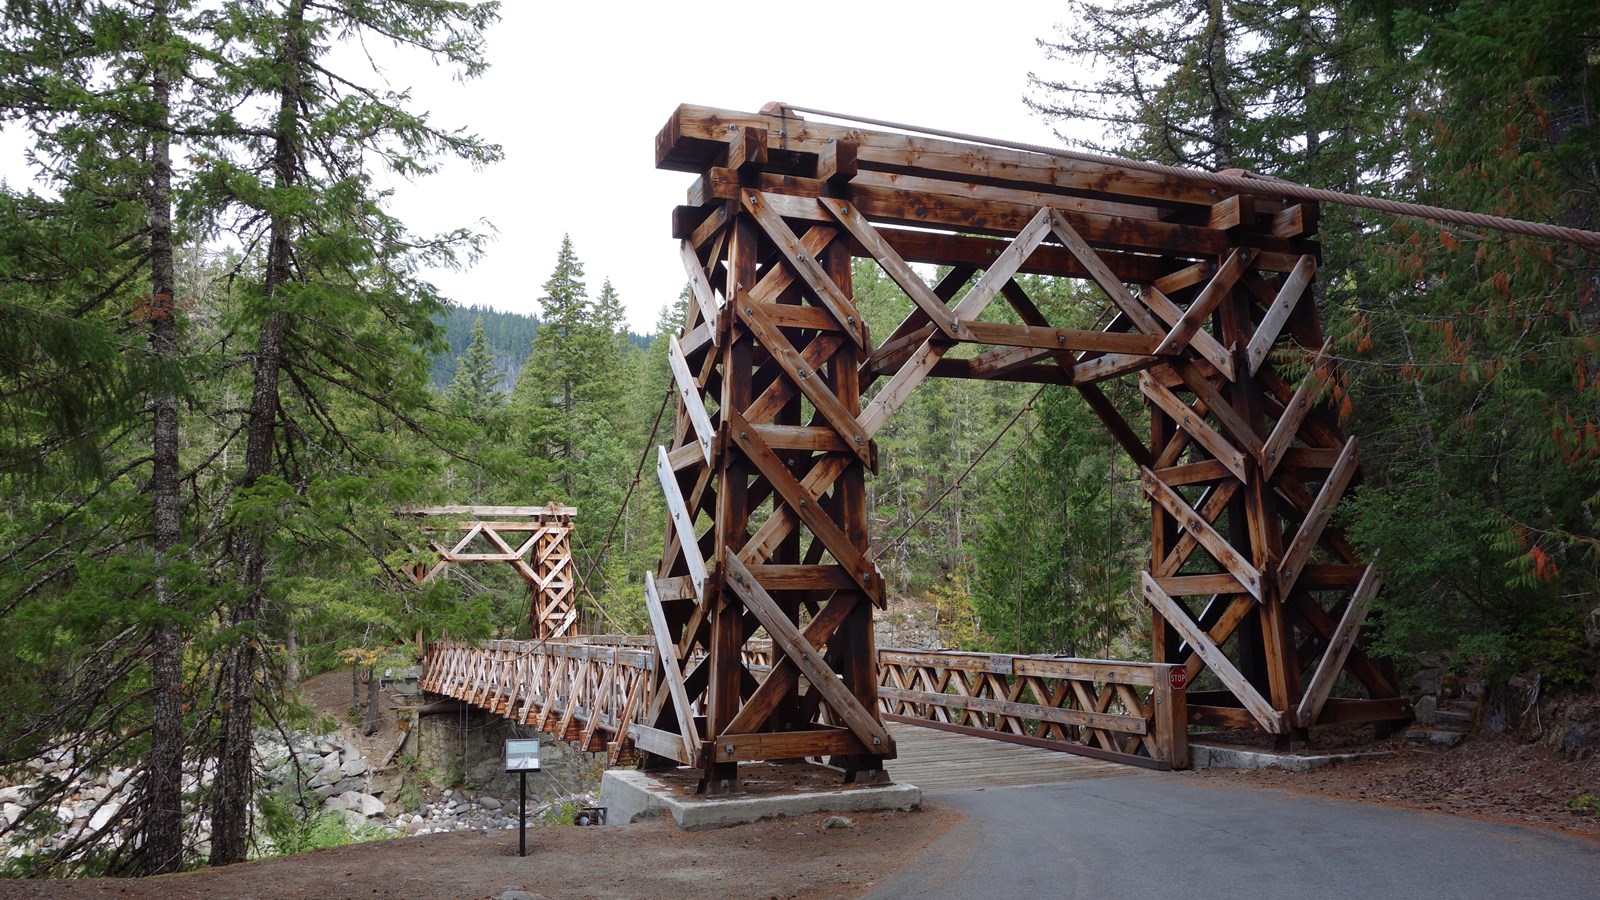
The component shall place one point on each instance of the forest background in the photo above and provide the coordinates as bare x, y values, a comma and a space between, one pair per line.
222, 369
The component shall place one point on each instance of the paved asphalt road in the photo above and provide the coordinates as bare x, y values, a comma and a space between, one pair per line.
1167, 836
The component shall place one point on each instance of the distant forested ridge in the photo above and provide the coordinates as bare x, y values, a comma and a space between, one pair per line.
509, 336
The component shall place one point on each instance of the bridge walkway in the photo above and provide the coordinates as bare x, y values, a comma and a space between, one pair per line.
938, 761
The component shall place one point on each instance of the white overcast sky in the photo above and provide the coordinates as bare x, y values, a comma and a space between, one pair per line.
577, 91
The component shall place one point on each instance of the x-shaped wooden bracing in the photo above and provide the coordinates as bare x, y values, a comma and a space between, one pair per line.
543, 559
785, 309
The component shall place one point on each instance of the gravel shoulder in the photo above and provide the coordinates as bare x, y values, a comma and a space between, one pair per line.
783, 858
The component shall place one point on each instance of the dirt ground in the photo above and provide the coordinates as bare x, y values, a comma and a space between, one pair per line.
783, 858
1496, 778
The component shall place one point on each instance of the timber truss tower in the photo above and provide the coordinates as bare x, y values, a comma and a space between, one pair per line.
781, 390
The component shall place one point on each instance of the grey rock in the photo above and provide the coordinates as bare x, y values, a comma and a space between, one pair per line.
1591, 629
355, 801
489, 803
355, 766
10, 813
326, 775
515, 894
1426, 710
838, 822
14, 794
1432, 659
104, 816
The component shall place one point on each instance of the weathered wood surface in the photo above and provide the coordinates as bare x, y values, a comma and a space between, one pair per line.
602, 689
1211, 308
936, 760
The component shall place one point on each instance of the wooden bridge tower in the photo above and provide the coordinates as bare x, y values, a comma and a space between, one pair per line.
781, 390
541, 556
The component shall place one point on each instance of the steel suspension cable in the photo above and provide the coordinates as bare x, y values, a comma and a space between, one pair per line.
878, 554
1251, 184
638, 473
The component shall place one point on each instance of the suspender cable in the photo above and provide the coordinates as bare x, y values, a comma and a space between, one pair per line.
1243, 183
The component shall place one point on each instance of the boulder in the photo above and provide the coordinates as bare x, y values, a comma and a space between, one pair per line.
355, 801
104, 816
327, 775
355, 766
489, 803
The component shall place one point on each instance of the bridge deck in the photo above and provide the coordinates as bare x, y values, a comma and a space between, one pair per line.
943, 761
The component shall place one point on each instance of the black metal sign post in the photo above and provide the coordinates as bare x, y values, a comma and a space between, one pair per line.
522, 757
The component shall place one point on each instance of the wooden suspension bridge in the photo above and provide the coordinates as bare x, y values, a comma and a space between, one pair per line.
762, 643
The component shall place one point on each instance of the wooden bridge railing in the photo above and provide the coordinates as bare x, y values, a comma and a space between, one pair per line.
1123, 711
585, 690
588, 690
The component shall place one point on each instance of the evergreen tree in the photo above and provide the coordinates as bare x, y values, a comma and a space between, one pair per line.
476, 387
339, 314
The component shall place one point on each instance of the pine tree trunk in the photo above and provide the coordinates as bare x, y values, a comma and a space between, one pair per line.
163, 811
230, 817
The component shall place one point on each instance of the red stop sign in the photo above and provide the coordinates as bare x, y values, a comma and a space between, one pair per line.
1178, 678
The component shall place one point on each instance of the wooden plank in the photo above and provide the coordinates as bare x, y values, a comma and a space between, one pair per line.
1111, 365
1339, 646
1233, 421
1025, 741
1338, 711
1276, 448
789, 577
1189, 585
1123, 724
1115, 290
836, 164
1316, 518
689, 394
805, 505
1194, 318
1048, 338
938, 249
700, 288
896, 268
661, 743
1194, 426
793, 644
671, 670
747, 148
814, 438
1221, 716
808, 380
1107, 670
1003, 268
1294, 285
1269, 718
789, 744
1196, 525
785, 675
810, 271
682, 146
682, 521
489, 512
1202, 341
1193, 473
